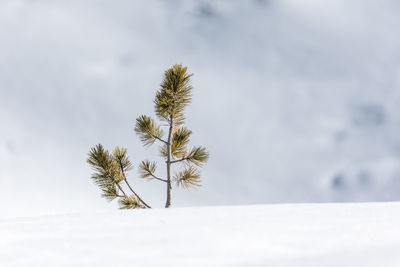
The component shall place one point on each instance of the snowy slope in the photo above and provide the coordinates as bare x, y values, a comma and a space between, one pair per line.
262, 235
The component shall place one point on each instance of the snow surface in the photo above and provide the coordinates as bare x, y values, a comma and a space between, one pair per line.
364, 234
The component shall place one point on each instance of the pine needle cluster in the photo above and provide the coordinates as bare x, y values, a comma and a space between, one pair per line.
110, 169
109, 172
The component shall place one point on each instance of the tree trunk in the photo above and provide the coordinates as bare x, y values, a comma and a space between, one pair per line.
169, 187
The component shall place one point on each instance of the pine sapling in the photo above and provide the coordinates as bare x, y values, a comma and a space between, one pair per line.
174, 95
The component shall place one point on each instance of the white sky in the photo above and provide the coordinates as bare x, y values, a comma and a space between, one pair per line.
297, 101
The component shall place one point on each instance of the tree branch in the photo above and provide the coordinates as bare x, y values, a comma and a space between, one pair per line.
158, 138
147, 169
155, 177
120, 188
141, 200
179, 160
130, 188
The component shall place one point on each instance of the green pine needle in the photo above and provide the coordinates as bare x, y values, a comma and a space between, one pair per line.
147, 169
187, 178
198, 155
130, 202
109, 169
147, 130
180, 139
175, 94
120, 155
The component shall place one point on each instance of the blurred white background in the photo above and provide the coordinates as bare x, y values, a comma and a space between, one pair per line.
297, 101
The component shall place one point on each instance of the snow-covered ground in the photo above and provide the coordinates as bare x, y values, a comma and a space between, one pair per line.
366, 234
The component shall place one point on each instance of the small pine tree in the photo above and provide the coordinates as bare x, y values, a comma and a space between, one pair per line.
110, 168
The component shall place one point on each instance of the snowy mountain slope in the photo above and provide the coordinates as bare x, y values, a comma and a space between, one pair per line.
261, 235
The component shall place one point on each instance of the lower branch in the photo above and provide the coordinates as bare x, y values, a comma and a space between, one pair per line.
157, 178
141, 200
